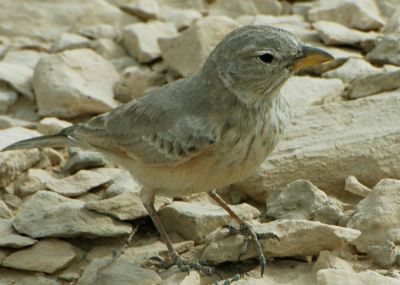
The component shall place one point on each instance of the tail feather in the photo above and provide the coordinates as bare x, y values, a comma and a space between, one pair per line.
59, 140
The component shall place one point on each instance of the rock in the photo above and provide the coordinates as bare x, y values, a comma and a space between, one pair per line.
48, 214
18, 76
124, 62
12, 200
25, 57
376, 216
51, 125
108, 48
302, 8
302, 92
302, 200
10, 122
5, 212
232, 8
18, 277
352, 185
99, 31
352, 69
336, 137
143, 9
7, 97
134, 81
69, 41
122, 272
83, 159
268, 7
181, 18
141, 39
383, 255
336, 277
296, 238
373, 83
333, 33
125, 206
387, 51
48, 256
358, 14
74, 82
327, 260
187, 52
10, 238
393, 25
194, 221
122, 181
12, 163
173, 276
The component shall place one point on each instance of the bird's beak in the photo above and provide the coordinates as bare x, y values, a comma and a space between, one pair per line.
311, 56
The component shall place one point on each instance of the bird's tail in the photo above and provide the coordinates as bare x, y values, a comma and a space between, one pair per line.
58, 140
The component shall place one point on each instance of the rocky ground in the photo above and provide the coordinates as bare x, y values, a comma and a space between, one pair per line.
329, 190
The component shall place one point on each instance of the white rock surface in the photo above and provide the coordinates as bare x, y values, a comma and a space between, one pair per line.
387, 51
108, 48
74, 82
98, 31
143, 9
383, 255
181, 18
327, 260
141, 39
11, 276
194, 221
352, 69
83, 159
48, 214
187, 52
354, 186
173, 276
48, 255
5, 212
18, 76
296, 238
7, 97
69, 41
358, 14
10, 238
25, 57
376, 215
339, 277
51, 125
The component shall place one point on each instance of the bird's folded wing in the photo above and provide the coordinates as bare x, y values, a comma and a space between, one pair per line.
152, 137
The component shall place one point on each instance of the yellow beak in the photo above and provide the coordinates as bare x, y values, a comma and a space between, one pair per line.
311, 56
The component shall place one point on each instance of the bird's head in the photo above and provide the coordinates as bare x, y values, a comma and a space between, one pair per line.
254, 61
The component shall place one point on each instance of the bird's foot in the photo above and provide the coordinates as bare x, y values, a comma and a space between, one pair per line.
184, 265
250, 235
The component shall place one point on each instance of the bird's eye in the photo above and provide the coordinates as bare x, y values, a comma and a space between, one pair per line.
266, 57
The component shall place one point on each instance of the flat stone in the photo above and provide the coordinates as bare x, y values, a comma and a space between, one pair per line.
74, 82
352, 69
51, 125
194, 221
296, 238
303, 200
99, 31
13, 163
141, 39
122, 181
19, 277
383, 255
187, 52
48, 214
5, 212
357, 14
25, 57
108, 48
376, 215
121, 271
7, 122
181, 18
143, 9
335, 277
69, 41
173, 276
48, 255
387, 51
327, 260
83, 159
18, 76
393, 24
7, 97
10, 238
354, 186
232, 8
374, 83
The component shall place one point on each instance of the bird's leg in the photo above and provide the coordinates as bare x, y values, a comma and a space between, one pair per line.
246, 230
183, 265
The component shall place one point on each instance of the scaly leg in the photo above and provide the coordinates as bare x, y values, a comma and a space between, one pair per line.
184, 265
246, 230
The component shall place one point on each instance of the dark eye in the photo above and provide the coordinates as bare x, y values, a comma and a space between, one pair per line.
266, 57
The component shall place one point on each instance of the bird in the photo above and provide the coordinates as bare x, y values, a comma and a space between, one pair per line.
203, 132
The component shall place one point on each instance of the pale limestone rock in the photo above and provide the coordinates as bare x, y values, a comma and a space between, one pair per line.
7, 97
143, 9
302, 8
83, 159
74, 82
296, 238
19, 277
13, 163
354, 186
10, 122
383, 255
194, 221
393, 25
173, 276
5, 212
387, 51
357, 14
268, 7
140, 39
18, 77
25, 57
51, 125
339, 277
134, 81
123, 63
373, 84
328, 142
232, 8
10, 238
48, 255
108, 48
187, 52
181, 18
377, 215
193, 4
98, 31
303, 200
69, 41
122, 181
48, 214
327, 260
122, 272
352, 69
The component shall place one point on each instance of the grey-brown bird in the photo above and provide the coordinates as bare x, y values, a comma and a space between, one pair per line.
206, 131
